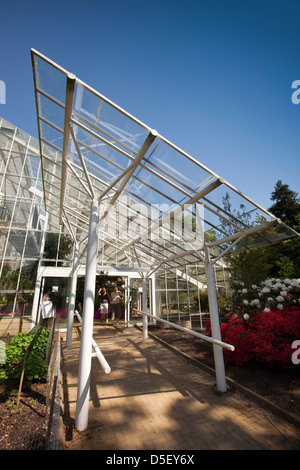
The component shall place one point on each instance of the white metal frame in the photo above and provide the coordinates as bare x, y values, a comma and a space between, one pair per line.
133, 165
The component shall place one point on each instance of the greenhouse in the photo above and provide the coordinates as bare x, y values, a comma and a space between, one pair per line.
103, 194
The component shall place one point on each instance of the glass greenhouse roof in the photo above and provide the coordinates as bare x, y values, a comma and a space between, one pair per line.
159, 205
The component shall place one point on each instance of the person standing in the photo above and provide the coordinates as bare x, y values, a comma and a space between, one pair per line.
115, 303
104, 303
47, 308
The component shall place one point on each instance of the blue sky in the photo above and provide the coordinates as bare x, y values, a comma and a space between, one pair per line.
213, 77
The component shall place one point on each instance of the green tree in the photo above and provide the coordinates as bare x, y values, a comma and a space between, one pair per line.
281, 260
286, 204
286, 256
286, 268
250, 266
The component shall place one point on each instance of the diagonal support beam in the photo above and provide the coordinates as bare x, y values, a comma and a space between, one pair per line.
68, 225
79, 179
244, 233
155, 266
126, 175
82, 162
215, 184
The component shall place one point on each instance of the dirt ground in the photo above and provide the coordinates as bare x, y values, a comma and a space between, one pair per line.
23, 428
280, 386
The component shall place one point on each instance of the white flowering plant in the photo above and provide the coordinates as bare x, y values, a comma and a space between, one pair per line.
263, 324
271, 294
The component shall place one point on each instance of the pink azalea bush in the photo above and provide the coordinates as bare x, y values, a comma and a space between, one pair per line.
263, 328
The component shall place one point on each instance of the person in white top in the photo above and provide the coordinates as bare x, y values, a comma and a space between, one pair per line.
116, 299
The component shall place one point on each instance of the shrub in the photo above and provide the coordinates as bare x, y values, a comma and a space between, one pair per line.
36, 366
266, 337
270, 294
264, 323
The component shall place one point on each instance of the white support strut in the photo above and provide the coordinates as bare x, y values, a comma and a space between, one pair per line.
104, 364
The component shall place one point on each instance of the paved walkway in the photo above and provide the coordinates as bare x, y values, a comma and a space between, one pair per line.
154, 399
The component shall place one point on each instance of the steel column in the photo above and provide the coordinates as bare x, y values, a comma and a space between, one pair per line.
83, 390
215, 327
36, 299
144, 308
72, 296
153, 297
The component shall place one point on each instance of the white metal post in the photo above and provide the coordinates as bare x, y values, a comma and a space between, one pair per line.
72, 296
83, 389
37, 289
36, 300
144, 308
215, 327
127, 301
153, 297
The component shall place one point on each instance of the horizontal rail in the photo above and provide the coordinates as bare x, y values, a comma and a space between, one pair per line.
230, 347
99, 355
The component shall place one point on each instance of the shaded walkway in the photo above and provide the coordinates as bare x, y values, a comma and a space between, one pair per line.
153, 399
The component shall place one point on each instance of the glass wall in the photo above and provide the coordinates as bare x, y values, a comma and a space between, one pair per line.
181, 295
24, 242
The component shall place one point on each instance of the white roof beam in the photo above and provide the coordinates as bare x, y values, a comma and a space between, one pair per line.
126, 175
70, 88
255, 229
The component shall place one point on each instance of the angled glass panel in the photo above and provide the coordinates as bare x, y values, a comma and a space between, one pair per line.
51, 135
173, 165
236, 208
50, 80
153, 189
50, 111
264, 237
108, 121
121, 128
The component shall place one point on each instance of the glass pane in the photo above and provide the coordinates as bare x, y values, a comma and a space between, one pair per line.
51, 135
51, 111
156, 191
50, 80
121, 128
239, 211
108, 121
172, 164
101, 159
